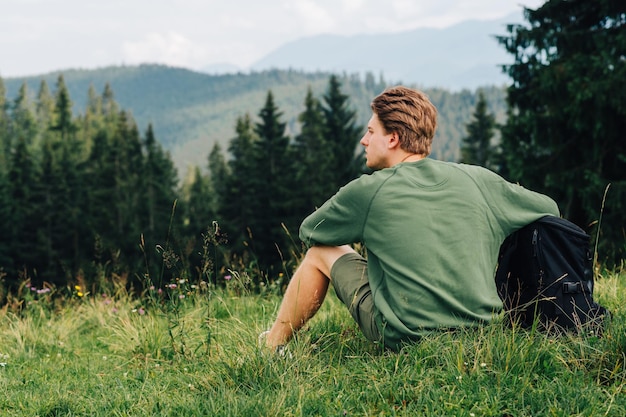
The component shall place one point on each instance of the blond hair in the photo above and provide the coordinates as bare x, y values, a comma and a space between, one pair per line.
410, 114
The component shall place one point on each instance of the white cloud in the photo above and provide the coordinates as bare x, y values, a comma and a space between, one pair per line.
311, 16
170, 48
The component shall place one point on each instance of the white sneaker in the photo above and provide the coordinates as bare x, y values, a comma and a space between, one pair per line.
281, 350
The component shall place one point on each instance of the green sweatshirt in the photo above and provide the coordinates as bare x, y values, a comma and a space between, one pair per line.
432, 231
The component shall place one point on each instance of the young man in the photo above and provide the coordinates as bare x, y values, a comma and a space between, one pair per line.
432, 231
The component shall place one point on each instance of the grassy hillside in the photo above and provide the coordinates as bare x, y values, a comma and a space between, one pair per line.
190, 111
197, 355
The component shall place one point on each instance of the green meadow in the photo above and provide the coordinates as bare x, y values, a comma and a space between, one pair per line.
192, 350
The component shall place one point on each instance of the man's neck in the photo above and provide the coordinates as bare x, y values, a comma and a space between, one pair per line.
411, 157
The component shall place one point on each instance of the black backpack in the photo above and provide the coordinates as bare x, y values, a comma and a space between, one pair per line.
545, 273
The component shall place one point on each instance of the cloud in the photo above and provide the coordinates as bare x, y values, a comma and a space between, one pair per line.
170, 48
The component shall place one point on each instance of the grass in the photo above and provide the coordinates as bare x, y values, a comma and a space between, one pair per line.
198, 355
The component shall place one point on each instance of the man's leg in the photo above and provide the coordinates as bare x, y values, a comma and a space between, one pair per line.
305, 293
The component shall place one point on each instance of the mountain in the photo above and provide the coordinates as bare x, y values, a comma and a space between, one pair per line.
465, 55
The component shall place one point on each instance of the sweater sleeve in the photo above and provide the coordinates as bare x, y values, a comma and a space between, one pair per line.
515, 206
341, 219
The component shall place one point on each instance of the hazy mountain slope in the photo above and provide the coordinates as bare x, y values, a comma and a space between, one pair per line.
465, 55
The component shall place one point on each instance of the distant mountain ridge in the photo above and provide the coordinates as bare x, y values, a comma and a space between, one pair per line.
465, 55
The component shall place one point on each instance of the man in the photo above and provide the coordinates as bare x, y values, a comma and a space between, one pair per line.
432, 231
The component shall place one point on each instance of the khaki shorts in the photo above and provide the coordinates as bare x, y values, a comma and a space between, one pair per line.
349, 278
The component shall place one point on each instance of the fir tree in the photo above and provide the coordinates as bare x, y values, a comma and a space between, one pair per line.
567, 112
312, 157
271, 173
62, 119
5, 138
24, 225
236, 206
23, 123
342, 133
158, 185
476, 147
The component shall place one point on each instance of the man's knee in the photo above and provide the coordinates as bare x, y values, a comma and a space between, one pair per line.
324, 257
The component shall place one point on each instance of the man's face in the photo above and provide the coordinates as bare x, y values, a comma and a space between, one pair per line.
376, 143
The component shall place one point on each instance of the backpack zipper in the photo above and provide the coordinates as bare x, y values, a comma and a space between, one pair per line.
537, 264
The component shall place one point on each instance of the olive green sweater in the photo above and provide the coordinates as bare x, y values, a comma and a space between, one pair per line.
432, 231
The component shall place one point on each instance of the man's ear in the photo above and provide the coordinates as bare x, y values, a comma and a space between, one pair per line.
394, 141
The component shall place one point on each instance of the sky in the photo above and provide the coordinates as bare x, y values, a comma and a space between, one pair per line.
39, 36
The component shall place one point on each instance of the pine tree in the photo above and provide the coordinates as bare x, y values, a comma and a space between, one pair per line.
567, 112
476, 147
93, 119
6, 221
237, 204
49, 191
100, 213
69, 195
62, 120
271, 173
45, 106
128, 163
44, 111
158, 182
343, 134
312, 158
24, 231
218, 173
23, 123
5, 137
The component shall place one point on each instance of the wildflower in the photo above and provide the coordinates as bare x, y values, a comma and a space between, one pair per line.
483, 364
181, 281
172, 286
43, 291
181, 296
141, 311
33, 288
80, 294
3, 364
77, 287
227, 277
151, 287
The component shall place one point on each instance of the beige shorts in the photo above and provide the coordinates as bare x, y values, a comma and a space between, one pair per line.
349, 278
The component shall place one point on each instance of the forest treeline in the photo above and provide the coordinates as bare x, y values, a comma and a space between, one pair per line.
86, 198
